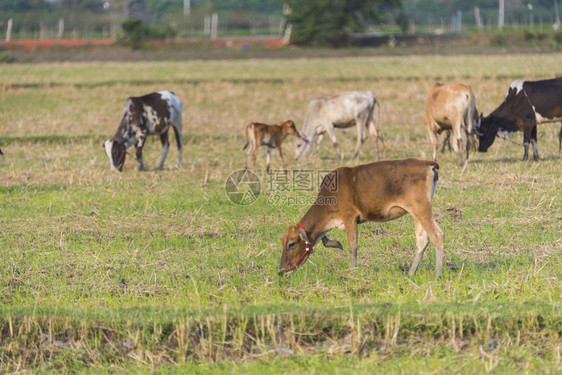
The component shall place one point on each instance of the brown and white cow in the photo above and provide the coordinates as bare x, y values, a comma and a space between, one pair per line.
527, 104
145, 115
326, 113
451, 108
379, 191
272, 136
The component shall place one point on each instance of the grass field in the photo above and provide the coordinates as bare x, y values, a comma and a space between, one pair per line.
159, 271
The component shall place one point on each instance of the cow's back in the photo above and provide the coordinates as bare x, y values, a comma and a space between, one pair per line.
339, 109
546, 98
446, 104
376, 187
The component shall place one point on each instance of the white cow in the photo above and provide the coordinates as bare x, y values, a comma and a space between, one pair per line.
326, 113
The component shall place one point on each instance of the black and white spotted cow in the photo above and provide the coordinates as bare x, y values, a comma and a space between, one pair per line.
526, 104
145, 115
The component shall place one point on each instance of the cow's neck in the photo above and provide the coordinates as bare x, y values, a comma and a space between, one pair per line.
315, 224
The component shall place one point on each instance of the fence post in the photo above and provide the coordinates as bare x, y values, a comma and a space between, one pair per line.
214, 25
477, 18
207, 25
61, 28
501, 14
9, 31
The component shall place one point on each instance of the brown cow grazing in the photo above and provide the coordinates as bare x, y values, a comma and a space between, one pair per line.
272, 136
451, 108
380, 191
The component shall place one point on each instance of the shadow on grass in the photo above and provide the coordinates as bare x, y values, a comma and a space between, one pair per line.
514, 160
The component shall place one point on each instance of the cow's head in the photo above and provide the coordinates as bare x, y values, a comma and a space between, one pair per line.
116, 152
296, 249
302, 147
487, 132
290, 128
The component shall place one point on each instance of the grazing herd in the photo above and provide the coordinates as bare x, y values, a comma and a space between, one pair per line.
379, 191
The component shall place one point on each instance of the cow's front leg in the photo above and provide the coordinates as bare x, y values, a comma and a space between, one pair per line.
526, 139
139, 145
332, 134
319, 142
534, 143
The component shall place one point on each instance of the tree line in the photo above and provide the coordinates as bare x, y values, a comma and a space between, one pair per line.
317, 22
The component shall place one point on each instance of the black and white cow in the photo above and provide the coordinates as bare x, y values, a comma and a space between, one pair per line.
145, 115
526, 104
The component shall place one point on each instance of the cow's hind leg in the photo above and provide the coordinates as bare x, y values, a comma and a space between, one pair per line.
268, 159
351, 229
429, 226
139, 145
165, 148
249, 151
281, 156
361, 124
457, 141
446, 142
434, 143
179, 143
421, 244
332, 134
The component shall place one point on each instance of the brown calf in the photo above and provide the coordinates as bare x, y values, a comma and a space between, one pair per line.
380, 191
272, 136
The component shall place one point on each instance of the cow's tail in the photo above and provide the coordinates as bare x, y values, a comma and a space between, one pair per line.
469, 126
376, 125
560, 141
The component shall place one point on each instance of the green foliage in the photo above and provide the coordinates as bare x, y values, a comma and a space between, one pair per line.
330, 22
135, 32
6, 57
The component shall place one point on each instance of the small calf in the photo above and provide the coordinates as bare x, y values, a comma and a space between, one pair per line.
272, 136
150, 114
380, 191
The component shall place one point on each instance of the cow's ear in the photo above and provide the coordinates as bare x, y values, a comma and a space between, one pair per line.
302, 234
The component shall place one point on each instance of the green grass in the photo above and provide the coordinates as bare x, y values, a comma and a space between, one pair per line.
159, 271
